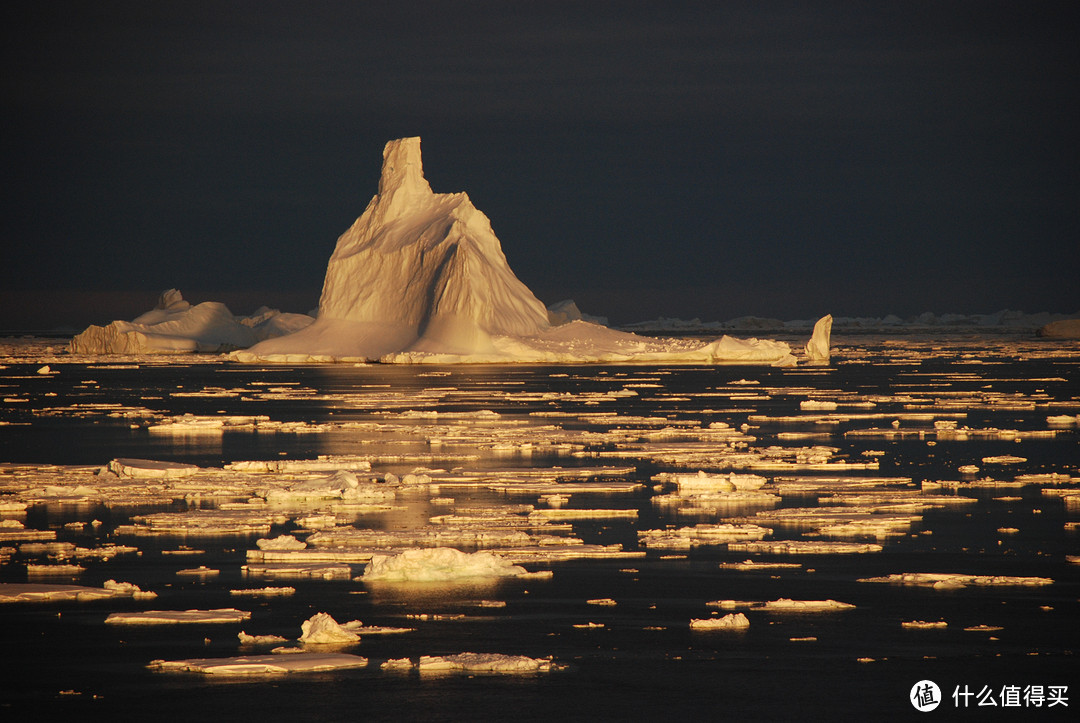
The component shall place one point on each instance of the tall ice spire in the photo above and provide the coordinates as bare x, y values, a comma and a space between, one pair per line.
402, 170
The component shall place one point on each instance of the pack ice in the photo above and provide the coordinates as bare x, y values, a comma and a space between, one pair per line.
421, 277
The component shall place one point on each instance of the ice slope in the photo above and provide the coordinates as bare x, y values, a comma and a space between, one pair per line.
175, 326
421, 277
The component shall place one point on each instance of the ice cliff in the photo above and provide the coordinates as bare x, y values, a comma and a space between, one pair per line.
421, 277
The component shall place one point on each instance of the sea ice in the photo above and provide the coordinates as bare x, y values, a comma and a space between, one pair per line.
956, 580
684, 538
265, 591
804, 547
484, 663
150, 469
732, 621
245, 665
173, 617
246, 639
281, 542
817, 349
321, 628
438, 564
46, 592
784, 605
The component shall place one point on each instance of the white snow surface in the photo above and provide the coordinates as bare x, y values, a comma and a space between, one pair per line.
174, 326
421, 277
438, 564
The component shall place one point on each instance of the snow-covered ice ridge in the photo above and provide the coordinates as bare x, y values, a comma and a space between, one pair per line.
420, 277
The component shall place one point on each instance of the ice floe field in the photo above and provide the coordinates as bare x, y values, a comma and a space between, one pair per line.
190, 537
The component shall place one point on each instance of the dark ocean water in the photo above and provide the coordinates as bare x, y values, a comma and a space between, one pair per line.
644, 663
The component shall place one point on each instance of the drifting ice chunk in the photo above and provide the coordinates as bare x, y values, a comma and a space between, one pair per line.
734, 621
805, 606
173, 617
342, 484
817, 349
702, 482
953, 580
684, 538
484, 663
323, 629
438, 564
784, 605
261, 664
281, 542
804, 547
45, 592
265, 591
150, 469
246, 639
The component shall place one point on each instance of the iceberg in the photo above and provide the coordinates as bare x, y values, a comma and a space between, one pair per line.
420, 277
321, 628
174, 326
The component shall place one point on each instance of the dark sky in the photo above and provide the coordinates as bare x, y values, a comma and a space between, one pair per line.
709, 159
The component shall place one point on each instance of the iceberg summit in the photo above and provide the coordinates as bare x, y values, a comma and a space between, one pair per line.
421, 277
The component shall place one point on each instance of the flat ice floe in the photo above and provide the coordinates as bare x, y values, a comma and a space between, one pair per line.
784, 605
805, 547
178, 617
255, 665
957, 580
685, 538
47, 592
485, 663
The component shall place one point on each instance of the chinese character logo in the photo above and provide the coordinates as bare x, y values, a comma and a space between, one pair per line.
925, 696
